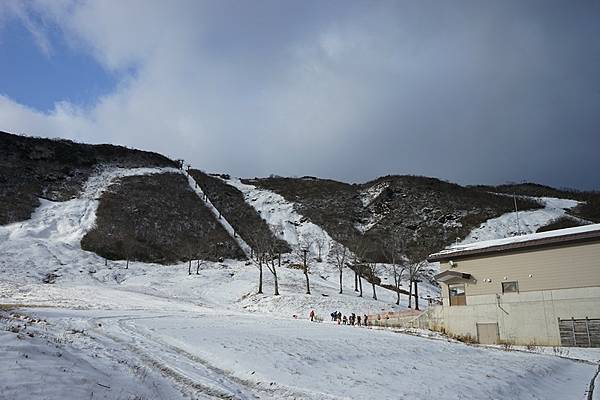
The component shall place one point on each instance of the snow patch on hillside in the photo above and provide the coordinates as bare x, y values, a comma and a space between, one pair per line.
367, 197
49, 242
505, 226
372, 192
284, 221
523, 222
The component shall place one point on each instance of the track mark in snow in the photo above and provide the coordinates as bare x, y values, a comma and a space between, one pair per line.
220, 218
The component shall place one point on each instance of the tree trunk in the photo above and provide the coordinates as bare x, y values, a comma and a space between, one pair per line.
275, 275
410, 285
276, 284
416, 295
307, 281
360, 285
306, 274
341, 273
355, 281
127, 265
189, 267
260, 277
198, 268
374, 293
397, 283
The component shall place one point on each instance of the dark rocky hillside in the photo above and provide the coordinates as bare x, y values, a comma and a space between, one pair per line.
427, 212
157, 218
55, 169
589, 210
241, 215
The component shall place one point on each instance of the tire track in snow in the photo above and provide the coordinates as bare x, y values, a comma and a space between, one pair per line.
186, 369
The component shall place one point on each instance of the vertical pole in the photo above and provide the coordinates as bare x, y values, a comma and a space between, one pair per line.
517, 211
587, 328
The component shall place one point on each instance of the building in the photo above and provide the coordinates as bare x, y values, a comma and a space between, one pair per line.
542, 289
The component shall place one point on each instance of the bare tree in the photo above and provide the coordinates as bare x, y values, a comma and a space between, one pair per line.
415, 272
303, 250
340, 254
259, 265
261, 246
271, 267
394, 248
372, 269
319, 243
190, 255
360, 248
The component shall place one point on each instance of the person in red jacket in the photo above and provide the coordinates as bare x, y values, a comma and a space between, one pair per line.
312, 315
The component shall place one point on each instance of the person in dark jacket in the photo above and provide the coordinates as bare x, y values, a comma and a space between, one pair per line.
358, 320
365, 320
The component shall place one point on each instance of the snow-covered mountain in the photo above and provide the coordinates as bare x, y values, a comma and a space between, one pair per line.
76, 323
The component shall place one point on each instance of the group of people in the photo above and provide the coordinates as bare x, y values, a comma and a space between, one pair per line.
351, 319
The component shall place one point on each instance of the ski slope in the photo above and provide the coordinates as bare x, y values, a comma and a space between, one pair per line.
522, 222
153, 331
282, 218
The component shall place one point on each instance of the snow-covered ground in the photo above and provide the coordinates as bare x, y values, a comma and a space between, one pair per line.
283, 219
522, 222
155, 332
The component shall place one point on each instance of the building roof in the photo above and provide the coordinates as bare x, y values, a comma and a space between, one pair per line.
556, 237
449, 275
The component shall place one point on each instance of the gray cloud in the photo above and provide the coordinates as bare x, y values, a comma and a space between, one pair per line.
471, 91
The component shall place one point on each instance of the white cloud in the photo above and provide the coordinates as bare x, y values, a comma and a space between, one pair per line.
345, 91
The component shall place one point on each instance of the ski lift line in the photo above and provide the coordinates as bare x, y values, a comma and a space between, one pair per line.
219, 216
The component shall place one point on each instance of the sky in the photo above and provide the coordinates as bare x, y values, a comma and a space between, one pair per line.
467, 91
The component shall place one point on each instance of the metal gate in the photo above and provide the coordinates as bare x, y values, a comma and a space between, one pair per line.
579, 332
488, 333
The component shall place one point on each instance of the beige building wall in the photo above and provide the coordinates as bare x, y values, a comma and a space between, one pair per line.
564, 267
560, 282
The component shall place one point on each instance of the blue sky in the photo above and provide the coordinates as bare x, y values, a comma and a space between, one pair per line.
39, 80
469, 91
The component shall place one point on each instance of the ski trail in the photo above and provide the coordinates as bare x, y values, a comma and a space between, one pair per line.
222, 220
523, 222
283, 220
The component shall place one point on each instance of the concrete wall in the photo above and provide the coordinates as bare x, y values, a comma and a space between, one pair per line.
523, 318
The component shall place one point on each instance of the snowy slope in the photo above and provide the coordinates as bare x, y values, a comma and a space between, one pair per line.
284, 221
153, 331
366, 197
511, 224
522, 222
49, 241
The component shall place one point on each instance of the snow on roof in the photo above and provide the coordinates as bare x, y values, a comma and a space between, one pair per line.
556, 236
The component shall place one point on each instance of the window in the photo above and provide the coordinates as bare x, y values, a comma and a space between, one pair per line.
457, 295
510, 287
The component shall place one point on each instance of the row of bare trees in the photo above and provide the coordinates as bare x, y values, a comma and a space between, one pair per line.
394, 248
